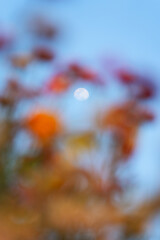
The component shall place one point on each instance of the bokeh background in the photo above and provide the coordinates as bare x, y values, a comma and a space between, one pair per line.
93, 32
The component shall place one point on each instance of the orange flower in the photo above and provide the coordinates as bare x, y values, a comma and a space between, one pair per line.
44, 125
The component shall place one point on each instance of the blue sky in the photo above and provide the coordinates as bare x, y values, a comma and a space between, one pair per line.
127, 28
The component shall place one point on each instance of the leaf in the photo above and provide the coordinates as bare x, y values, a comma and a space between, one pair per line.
81, 142
21, 60
43, 54
59, 83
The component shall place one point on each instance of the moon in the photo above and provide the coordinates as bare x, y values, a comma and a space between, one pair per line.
81, 94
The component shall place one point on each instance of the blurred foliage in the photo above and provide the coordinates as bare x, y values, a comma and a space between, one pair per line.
46, 191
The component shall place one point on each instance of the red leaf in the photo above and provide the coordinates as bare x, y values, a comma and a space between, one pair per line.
143, 89
5, 40
43, 28
59, 83
82, 72
126, 76
43, 54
